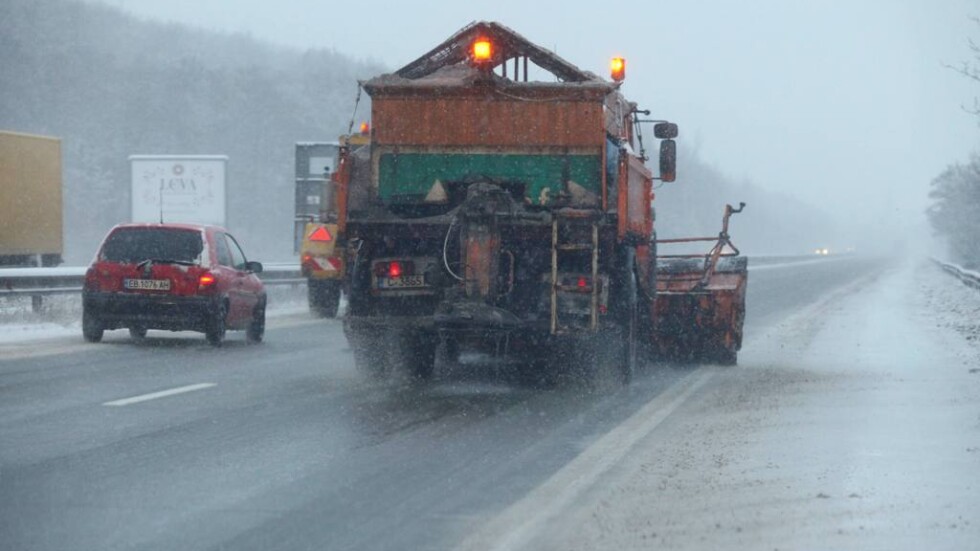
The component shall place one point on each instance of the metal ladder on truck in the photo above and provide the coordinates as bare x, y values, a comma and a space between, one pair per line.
570, 221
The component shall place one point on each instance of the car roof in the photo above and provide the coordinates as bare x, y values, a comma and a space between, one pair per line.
168, 226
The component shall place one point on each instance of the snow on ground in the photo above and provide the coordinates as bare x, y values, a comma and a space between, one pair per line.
855, 424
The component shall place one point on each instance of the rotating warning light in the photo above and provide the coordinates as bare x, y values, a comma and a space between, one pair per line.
365, 128
617, 68
482, 50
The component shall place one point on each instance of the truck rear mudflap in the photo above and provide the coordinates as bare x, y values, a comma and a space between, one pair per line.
699, 309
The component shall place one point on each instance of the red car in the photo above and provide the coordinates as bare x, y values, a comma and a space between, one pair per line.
179, 277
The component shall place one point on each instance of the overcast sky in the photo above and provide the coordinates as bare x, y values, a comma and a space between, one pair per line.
844, 104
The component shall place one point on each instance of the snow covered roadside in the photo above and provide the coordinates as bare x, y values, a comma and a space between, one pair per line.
852, 425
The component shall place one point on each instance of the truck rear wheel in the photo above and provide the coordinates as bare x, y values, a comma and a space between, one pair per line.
542, 368
419, 355
410, 354
323, 296
608, 359
369, 360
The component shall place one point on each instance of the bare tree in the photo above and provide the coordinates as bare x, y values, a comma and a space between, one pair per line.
971, 69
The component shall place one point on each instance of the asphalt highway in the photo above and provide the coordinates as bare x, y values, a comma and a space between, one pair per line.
170, 444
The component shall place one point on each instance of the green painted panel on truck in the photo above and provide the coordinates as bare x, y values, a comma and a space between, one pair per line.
408, 177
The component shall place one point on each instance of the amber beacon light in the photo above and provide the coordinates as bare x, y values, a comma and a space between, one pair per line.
617, 68
482, 50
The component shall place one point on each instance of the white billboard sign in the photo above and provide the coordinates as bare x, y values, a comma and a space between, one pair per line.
178, 188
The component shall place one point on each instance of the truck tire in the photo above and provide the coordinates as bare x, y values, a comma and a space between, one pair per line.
137, 332
629, 332
727, 357
607, 359
419, 360
323, 297
622, 335
92, 328
542, 370
369, 354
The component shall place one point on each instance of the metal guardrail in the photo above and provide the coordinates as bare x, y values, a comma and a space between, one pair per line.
40, 282
967, 277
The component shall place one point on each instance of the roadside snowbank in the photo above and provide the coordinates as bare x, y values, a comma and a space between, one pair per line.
852, 425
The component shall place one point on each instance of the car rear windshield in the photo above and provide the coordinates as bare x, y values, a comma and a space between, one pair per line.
138, 244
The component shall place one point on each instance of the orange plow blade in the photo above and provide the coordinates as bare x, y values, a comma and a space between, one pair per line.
699, 307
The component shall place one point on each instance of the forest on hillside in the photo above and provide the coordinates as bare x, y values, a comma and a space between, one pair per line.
111, 85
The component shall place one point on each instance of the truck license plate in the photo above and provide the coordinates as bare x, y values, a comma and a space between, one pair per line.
403, 282
147, 284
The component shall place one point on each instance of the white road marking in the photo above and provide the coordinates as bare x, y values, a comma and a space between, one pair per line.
516, 526
161, 394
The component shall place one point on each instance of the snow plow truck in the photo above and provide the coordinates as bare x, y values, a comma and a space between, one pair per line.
491, 212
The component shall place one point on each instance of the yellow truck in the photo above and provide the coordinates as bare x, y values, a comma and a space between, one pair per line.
30, 200
318, 240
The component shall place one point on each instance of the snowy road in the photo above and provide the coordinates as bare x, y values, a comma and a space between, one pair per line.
851, 422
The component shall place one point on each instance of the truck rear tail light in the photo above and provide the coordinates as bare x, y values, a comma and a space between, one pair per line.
394, 268
581, 284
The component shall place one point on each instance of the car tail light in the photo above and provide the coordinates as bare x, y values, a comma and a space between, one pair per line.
92, 280
394, 268
206, 281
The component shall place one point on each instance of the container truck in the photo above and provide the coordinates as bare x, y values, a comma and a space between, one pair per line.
30, 200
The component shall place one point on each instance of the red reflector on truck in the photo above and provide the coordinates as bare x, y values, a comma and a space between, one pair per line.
321, 234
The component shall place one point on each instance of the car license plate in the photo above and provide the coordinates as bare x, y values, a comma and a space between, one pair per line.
147, 284
403, 282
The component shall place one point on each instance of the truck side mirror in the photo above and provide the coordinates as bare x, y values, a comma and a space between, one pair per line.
668, 160
665, 130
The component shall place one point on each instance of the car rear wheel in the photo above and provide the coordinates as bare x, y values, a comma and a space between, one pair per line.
92, 328
215, 332
256, 328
